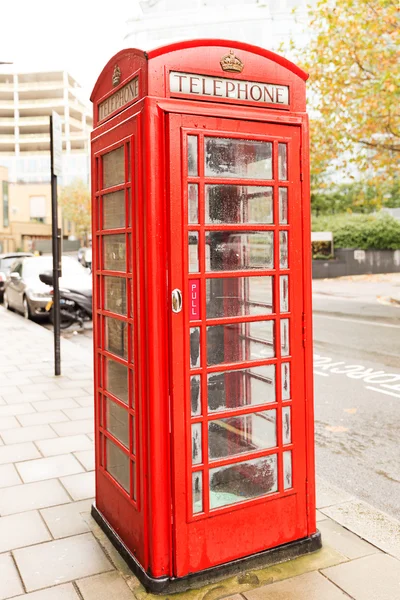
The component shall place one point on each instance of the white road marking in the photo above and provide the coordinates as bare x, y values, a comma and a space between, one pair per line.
369, 387
356, 321
319, 373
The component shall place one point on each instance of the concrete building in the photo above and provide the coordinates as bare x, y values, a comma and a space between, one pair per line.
26, 103
266, 23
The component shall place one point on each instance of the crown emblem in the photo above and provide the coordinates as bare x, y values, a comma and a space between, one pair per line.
231, 63
116, 76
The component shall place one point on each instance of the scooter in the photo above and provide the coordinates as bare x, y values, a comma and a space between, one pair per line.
75, 306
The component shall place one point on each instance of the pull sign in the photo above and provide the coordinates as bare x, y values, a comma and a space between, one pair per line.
194, 299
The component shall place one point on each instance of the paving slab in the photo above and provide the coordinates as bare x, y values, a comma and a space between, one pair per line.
80, 486
42, 418
374, 577
21, 530
59, 592
371, 524
23, 398
46, 405
10, 582
27, 434
84, 412
68, 519
311, 586
344, 541
85, 400
63, 445
105, 587
16, 409
86, 458
328, 494
8, 477
70, 393
8, 423
48, 468
31, 496
74, 427
61, 561
68, 384
18, 452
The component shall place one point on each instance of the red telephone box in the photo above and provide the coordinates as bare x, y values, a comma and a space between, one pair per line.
202, 311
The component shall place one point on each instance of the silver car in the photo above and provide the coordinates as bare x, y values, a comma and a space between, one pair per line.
25, 292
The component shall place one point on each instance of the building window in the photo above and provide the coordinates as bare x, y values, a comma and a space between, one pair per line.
37, 209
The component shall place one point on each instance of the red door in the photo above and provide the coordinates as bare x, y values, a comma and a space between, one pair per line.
237, 367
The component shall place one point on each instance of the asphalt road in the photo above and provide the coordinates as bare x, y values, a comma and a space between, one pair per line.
357, 398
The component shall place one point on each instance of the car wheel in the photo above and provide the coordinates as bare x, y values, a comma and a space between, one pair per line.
27, 310
5, 301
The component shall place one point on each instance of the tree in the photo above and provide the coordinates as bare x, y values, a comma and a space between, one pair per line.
354, 64
76, 207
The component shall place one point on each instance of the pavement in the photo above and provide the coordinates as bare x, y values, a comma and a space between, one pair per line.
383, 288
50, 547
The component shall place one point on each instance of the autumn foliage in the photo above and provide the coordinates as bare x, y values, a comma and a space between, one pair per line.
75, 202
354, 64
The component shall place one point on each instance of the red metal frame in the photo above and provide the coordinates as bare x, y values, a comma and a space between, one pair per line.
157, 523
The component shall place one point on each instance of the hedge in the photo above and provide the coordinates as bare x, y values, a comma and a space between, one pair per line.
366, 232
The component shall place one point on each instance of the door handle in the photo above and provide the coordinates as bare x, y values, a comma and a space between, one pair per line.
176, 300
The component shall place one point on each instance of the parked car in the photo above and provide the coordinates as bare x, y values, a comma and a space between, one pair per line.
81, 253
6, 261
87, 259
25, 292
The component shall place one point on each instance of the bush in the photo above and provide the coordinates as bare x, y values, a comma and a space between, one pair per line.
366, 232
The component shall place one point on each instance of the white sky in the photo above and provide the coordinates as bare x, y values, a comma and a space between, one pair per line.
77, 35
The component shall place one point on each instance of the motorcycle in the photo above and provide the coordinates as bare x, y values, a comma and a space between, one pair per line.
75, 306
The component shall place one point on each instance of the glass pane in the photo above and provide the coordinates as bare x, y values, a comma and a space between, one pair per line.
283, 206
193, 202
238, 250
134, 480
238, 342
245, 433
282, 162
116, 337
284, 292
195, 347
285, 371
115, 295
236, 389
192, 156
114, 167
117, 422
283, 249
197, 455
285, 350
117, 379
114, 252
286, 425
237, 296
193, 251
132, 422
247, 159
197, 492
117, 464
195, 395
114, 210
243, 481
239, 204
287, 470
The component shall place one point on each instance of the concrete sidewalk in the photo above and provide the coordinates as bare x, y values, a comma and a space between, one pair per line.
369, 288
51, 549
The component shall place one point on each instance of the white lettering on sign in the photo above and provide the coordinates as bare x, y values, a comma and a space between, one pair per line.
203, 85
126, 94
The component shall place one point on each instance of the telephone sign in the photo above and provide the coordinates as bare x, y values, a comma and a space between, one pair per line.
202, 311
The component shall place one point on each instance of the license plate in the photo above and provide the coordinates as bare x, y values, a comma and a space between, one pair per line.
49, 305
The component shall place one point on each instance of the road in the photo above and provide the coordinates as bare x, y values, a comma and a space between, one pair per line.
357, 398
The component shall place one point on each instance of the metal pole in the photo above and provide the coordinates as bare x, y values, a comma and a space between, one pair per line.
56, 260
